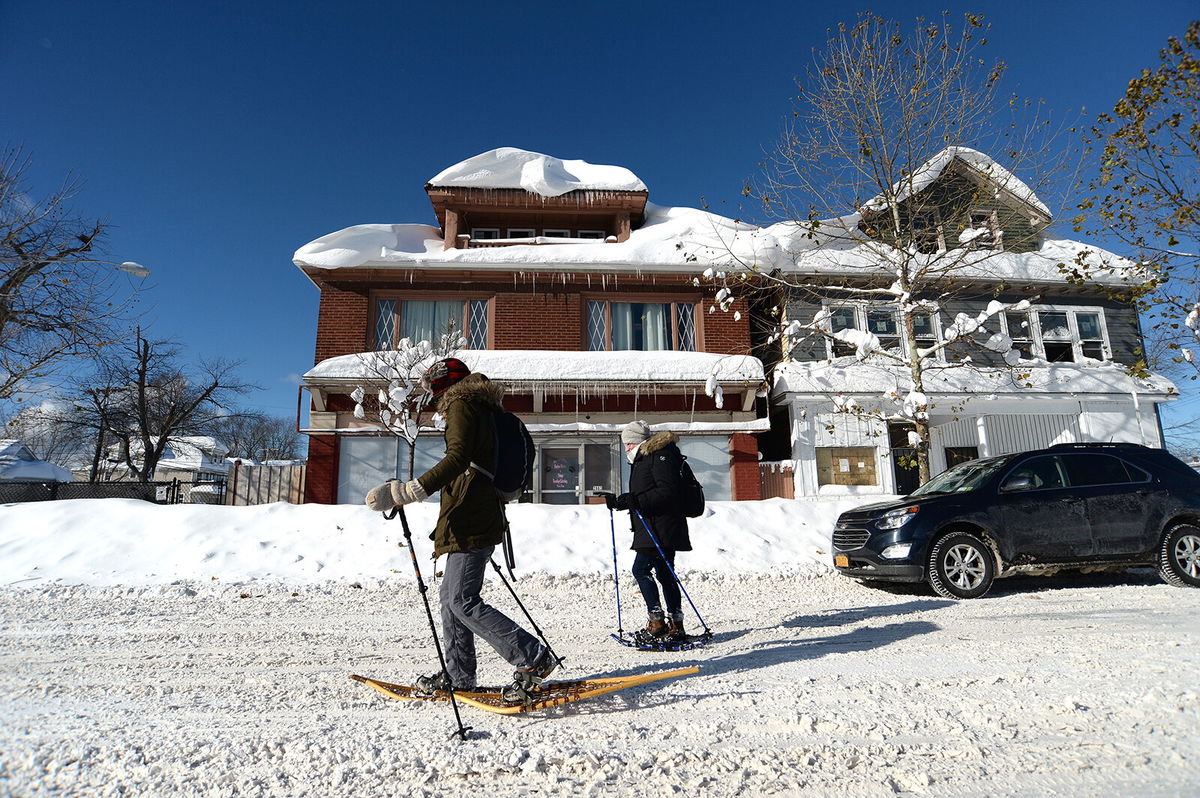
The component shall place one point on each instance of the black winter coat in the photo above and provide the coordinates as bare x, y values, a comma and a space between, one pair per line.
656, 490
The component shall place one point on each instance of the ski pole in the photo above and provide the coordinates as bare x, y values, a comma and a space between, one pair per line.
532, 622
616, 573
671, 569
437, 644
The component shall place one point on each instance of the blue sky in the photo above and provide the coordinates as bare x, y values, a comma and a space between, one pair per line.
218, 137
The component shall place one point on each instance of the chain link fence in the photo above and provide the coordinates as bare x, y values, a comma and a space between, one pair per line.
172, 492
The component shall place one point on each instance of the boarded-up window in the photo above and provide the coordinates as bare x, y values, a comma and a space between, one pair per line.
846, 465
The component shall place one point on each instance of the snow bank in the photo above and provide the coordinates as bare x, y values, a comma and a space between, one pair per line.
129, 542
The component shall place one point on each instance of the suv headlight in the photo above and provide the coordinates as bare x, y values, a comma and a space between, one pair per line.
894, 519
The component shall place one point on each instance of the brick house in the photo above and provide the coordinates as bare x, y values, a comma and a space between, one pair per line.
571, 289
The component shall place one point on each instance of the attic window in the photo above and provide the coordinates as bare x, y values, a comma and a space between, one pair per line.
926, 224
983, 231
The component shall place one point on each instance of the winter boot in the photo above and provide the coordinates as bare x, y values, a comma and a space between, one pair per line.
656, 626
428, 685
527, 680
675, 627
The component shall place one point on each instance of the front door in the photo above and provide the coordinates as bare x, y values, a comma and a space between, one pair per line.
560, 475
572, 473
904, 459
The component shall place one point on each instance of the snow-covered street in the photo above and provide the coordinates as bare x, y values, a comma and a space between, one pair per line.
1072, 685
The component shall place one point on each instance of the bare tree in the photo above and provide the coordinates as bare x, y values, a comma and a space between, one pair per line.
141, 397
258, 436
881, 181
58, 298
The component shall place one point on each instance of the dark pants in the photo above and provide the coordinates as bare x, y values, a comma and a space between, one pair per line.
464, 615
647, 565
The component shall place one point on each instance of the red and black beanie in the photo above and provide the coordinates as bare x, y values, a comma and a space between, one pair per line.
444, 373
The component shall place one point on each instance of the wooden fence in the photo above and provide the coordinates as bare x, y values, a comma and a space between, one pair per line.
777, 479
266, 483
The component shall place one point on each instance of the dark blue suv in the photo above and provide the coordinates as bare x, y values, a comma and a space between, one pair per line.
1070, 506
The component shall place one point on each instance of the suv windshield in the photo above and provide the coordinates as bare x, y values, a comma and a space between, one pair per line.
962, 478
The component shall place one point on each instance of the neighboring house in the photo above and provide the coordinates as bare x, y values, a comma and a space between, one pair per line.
1063, 379
189, 459
572, 290
18, 464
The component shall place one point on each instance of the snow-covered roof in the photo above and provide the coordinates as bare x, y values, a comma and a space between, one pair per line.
608, 368
983, 165
839, 248
666, 241
545, 175
17, 463
848, 376
689, 240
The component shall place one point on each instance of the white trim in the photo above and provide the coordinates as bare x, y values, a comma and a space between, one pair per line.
1037, 342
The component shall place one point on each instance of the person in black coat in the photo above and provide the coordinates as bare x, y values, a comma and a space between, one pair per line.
656, 492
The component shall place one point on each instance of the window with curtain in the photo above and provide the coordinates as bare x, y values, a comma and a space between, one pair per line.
429, 319
641, 326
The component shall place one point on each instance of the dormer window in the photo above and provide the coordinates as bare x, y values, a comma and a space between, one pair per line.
926, 224
984, 231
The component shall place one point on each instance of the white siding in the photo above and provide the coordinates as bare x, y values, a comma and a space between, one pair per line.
1020, 433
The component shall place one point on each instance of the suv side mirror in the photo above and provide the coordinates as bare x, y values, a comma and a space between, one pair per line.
1017, 484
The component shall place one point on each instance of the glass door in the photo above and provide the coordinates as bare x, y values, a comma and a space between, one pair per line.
560, 475
570, 473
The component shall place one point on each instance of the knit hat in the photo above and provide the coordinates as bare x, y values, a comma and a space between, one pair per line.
635, 432
444, 373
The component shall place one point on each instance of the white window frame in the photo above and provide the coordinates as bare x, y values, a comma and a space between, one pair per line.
1035, 333
993, 222
556, 233
477, 231
861, 309
938, 229
521, 232
593, 235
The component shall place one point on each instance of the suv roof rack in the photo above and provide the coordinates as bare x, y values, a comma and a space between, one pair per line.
1098, 445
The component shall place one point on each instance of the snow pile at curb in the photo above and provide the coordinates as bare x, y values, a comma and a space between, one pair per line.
129, 542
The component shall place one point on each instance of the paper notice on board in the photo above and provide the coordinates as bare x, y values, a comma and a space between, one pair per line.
844, 466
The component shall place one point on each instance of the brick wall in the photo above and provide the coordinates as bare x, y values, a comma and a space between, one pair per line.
744, 477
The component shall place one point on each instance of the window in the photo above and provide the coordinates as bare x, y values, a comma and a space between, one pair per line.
429, 319
1043, 473
1019, 331
521, 232
1059, 335
555, 233
601, 234
956, 455
883, 322
984, 231
846, 465
1101, 469
926, 224
641, 326
485, 233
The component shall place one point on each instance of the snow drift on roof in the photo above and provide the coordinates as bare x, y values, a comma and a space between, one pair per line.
929, 171
669, 239
571, 367
851, 377
509, 167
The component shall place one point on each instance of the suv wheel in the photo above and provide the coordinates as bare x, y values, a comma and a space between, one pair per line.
1179, 557
961, 566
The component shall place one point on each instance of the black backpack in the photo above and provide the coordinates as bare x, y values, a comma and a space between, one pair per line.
693, 491
512, 463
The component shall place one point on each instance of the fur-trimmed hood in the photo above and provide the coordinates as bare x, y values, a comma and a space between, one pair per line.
658, 441
474, 386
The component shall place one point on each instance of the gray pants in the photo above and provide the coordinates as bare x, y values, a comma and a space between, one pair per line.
464, 615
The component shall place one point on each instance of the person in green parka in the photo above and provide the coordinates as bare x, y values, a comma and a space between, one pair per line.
469, 527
